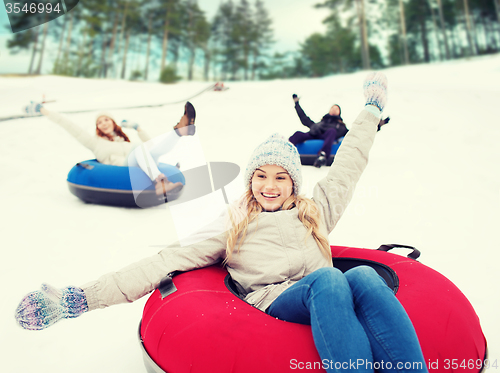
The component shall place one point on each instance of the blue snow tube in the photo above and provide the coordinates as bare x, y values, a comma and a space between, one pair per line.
104, 184
309, 150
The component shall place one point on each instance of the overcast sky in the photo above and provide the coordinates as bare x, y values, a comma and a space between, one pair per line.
293, 21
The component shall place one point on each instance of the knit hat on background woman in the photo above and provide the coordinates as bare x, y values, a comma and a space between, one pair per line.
104, 114
276, 150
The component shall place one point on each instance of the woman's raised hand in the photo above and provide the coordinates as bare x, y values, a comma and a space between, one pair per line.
42, 308
126, 124
375, 89
33, 108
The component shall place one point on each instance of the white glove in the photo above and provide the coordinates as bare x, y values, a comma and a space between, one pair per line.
33, 108
127, 124
375, 90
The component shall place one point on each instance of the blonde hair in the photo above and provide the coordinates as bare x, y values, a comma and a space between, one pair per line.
247, 209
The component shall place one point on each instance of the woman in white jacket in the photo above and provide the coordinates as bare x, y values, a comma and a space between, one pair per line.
112, 146
277, 253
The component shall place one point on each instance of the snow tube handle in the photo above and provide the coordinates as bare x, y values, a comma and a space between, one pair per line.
167, 286
415, 254
85, 165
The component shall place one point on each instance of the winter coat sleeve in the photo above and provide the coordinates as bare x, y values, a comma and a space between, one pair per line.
143, 135
305, 120
74, 130
142, 277
333, 193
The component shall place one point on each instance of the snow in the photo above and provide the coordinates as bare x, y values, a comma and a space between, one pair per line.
433, 182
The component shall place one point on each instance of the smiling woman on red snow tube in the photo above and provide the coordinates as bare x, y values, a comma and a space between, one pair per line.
195, 321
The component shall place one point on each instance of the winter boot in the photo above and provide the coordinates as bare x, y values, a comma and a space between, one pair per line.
321, 160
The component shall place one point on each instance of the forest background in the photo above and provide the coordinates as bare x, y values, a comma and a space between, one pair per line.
170, 40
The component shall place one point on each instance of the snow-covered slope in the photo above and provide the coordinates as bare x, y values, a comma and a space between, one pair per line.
433, 182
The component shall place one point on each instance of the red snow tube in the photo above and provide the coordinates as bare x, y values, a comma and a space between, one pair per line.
204, 327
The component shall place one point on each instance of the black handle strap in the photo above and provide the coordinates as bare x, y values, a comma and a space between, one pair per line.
85, 165
167, 286
415, 254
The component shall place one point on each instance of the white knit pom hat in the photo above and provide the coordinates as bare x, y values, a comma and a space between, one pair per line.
276, 150
105, 114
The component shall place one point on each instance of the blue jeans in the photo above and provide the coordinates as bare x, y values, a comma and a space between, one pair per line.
357, 323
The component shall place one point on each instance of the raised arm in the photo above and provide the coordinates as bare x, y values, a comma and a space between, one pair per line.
143, 135
43, 308
304, 119
82, 136
334, 192
141, 278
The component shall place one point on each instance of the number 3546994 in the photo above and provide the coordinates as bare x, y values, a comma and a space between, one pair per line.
32, 8
470, 364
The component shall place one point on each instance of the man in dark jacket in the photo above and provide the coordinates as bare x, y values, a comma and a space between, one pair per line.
330, 128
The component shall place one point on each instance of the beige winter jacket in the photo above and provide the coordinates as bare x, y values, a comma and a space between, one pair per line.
107, 152
275, 253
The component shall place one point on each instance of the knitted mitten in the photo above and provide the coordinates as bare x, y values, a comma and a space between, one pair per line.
40, 309
33, 108
127, 124
375, 89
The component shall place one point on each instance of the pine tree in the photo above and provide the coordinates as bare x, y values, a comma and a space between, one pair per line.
335, 6
263, 36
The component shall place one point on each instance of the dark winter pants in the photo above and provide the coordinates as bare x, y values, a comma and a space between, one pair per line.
329, 138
